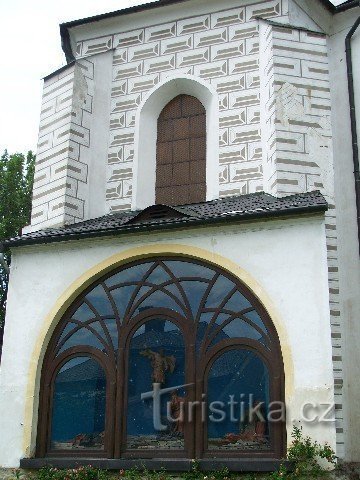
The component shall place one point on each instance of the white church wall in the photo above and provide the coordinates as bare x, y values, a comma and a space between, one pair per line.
347, 246
221, 49
310, 14
71, 154
283, 261
297, 138
219, 46
283, 131
59, 169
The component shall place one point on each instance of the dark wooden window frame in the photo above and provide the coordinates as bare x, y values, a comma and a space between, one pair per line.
196, 373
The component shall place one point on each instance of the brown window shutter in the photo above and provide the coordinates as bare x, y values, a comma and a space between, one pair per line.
181, 152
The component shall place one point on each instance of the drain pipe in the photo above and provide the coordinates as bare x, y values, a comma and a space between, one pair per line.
354, 136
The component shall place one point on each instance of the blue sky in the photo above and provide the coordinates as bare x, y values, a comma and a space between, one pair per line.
30, 49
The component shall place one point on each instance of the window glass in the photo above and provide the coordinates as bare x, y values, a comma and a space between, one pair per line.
156, 355
129, 275
239, 328
78, 415
158, 299
186, 269
143, 332
219, 292
238, 384
100, 301
85, 337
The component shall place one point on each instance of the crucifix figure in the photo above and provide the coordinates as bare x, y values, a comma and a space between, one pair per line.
160, 364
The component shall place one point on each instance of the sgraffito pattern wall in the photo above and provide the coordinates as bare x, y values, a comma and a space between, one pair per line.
60, 173
221, 48
297, 141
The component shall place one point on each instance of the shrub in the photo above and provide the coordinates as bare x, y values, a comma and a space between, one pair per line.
306, 453
80, 473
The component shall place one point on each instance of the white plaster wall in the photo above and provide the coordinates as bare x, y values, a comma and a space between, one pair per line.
98, 124
310, 14
287, 258
348, 248
155, 16
215, 45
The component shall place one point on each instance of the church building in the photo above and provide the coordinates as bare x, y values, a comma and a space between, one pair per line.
188, 287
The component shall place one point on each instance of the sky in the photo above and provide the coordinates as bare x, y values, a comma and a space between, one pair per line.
30, 49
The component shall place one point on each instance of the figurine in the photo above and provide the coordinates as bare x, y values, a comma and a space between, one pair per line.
160, 364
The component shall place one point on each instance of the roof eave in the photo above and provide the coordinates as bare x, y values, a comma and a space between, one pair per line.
153, 228
64, 27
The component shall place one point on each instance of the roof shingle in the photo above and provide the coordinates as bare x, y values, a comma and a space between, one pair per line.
156, 217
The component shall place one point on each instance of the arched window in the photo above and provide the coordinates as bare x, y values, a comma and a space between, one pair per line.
181, 152
79, 402
176, 326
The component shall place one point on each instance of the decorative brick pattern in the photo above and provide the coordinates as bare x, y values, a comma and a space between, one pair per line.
221, 48
298, 141
59, 168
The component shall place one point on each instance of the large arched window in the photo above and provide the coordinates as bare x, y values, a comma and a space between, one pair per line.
163, 357
181, 152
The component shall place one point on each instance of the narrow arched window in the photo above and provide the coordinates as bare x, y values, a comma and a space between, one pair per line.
181, 152
78, 409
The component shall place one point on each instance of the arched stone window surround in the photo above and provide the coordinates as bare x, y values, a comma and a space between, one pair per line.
144, 169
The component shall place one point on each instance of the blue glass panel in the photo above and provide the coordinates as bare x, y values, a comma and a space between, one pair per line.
220, 290
186, 269
202, 326
83, 336
122, 297
66, 330
237, 303
206, 317
100, 301
78, 415
238, 328
143, 291
194, 292
221, 318
158, 276
255, 318
238, 381
84, 313
111, 327
156, 354
158, 299
173, 288
132, 274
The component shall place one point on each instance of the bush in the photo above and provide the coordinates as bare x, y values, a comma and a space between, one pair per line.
303, 453
306, 454
80, 473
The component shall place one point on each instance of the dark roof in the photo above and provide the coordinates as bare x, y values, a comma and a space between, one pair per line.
64, 27
162, 217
